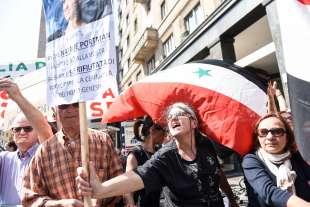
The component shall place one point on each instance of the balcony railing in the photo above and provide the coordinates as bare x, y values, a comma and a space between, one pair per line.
146, 45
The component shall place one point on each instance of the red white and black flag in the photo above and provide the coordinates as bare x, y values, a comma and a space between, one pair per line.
294, 22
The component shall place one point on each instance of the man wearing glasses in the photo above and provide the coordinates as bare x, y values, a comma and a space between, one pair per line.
14, 164
50, 180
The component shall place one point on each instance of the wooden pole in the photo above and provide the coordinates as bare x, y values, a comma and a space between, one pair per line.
84, 144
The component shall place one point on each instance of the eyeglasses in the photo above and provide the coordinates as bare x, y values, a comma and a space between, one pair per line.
277, 132
25, 128
65, 106
177, 115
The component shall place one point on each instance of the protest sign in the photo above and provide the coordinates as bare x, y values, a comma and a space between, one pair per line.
18, 68
13, 70
80, 53
35, 83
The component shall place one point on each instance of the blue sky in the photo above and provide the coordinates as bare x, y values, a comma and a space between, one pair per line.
19, 29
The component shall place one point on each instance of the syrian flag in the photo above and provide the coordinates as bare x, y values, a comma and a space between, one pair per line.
228, 100
294, 22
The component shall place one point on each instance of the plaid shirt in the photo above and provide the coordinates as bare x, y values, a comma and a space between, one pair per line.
52, 171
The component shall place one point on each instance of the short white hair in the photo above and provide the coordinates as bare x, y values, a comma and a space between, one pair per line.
19, 117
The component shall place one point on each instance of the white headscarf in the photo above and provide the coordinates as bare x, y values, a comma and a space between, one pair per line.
280, 165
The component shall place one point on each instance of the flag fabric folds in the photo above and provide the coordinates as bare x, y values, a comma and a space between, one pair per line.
228, 99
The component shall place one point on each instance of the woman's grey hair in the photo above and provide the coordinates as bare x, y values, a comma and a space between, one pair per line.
184, 107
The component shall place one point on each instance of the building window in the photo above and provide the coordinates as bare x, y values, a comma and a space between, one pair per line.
151, 65
120, 14
139, 76
127, 20
120, 54
193, 19
148, 5
128, 63
128, 41
136, 25
163, 10
121, 74
120, 33
168, 46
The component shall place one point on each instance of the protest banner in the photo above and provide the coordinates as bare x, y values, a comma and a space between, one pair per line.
80, 56
35, 83
291, 36
18, 68
81, 59
13, 70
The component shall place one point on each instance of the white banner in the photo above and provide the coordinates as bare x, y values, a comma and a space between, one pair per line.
294, 24
19, 68
294, 21
35, 83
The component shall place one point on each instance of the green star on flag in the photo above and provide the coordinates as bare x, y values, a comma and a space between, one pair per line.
202, 72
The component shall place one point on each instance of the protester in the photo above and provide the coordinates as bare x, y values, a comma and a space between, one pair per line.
187, 165
10, 146
13, 164
50, 178
25, 134
150, 135
275, 173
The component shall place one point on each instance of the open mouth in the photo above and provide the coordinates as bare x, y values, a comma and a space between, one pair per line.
175, 125
271, 145
70, 117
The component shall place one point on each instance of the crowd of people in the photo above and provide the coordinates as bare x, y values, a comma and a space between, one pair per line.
45, 169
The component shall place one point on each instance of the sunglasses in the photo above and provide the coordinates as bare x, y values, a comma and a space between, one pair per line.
277, 132
177, 115
65, 106
25, 128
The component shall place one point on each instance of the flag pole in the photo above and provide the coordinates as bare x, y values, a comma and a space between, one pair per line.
84, 145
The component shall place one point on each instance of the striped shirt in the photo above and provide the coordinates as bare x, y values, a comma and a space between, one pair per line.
52, 171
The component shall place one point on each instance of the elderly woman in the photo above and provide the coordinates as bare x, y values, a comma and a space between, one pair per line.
187, 165
276, 174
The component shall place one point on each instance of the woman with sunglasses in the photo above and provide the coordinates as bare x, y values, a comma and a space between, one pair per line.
187, 165
275, 174
150, 135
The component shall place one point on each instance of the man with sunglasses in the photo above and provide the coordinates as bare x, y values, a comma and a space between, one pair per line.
26, 135
50, 180
15, 163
